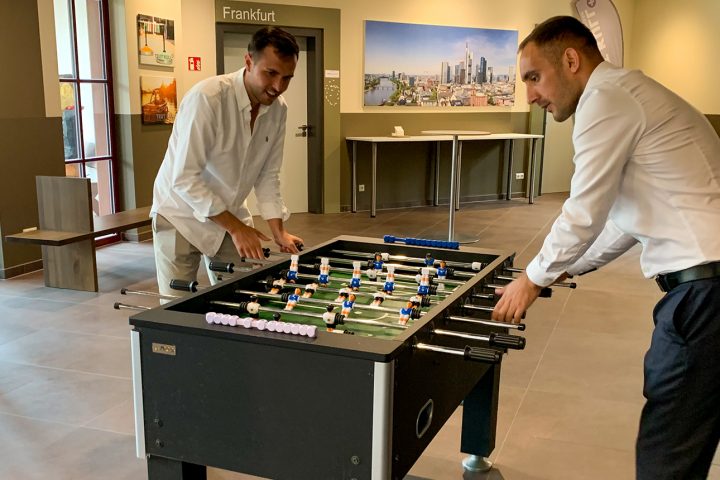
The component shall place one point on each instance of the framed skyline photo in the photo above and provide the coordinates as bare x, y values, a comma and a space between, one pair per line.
413, 65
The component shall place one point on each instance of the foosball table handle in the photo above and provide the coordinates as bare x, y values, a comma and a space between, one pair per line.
184, 285
485, 355
507, 341
546, 292
224, 267
422, 242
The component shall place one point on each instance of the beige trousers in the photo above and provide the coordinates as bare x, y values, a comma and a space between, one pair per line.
176, 258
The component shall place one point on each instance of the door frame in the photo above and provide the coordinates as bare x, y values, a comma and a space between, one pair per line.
315, 115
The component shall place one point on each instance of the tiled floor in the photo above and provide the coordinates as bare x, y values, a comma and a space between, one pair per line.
569, 402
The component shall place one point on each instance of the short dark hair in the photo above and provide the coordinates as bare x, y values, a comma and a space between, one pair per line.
279, 39
562, 32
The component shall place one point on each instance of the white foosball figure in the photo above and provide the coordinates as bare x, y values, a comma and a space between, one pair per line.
357, 273
324, 277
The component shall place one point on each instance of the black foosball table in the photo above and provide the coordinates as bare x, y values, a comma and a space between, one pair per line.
341, 363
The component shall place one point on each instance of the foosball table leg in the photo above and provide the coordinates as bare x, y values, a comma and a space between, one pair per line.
480, 421
160, 468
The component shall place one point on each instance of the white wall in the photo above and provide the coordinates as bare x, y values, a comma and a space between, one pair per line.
677, 43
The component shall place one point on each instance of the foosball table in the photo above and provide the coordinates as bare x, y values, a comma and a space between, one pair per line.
340, 363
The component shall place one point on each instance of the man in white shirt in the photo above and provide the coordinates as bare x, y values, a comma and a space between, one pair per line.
647, 170
227, 140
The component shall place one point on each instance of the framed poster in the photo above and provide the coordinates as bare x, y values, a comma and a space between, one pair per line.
156, 41
437, 66
158, 99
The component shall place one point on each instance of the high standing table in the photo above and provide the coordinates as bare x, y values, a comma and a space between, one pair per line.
455, 175
511, 137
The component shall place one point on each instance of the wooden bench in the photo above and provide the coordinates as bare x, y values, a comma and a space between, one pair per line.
67, 231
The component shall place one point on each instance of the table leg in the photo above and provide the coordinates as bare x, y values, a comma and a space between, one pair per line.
353, 178
457, 181
508, 194
531, 190
436, 191
453, 187
374, 180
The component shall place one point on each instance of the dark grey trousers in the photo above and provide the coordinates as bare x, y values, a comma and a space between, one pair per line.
680, 423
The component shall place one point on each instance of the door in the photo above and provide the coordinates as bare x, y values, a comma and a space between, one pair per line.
294, 172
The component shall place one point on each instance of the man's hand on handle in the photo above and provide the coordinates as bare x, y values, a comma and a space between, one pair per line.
515, 298
289, 243
247, 241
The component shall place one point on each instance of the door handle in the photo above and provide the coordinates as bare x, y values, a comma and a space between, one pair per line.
304, 131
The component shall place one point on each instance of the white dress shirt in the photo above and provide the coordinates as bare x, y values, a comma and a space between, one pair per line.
213, 161
647, 169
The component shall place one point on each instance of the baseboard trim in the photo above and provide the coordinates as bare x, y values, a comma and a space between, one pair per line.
441, 201
22, 269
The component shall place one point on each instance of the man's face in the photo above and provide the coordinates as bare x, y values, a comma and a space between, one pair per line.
268, 75
549, 82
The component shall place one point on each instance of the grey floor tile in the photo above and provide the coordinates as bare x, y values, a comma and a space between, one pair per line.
569, 402
61, 396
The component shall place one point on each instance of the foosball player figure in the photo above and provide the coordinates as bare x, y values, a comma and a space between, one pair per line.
405, 313
424, 287
293, 299
342, 295
442, 270
310, 290
389, 280
277, 286
378, 299
329, 318
347, 305
378, 262
293, 271
416, 301
429, 260
357, 273
324, 277
253, 307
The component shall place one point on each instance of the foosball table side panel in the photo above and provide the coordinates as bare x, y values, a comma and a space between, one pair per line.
429, 387
279, 413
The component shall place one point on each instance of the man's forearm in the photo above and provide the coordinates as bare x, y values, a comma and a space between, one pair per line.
276, 227
228, 221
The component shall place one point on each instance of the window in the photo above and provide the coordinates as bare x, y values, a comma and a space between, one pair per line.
86, 99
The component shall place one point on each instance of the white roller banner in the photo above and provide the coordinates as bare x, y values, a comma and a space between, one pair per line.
602, 18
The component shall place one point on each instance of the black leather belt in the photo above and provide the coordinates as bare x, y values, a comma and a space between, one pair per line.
668, 281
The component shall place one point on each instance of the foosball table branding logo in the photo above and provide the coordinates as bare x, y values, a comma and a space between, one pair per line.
164, 349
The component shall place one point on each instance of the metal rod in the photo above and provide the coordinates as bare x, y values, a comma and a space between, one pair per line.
468, 336
353, 180
531, 196
478, 308
125, 306
374, 179
404, 258
437, 348
316, 301
489, 323
127, 291
508, 194
453, 187
345, 261
314, 315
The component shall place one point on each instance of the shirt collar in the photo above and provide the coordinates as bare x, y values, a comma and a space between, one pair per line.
599, 73
241, 93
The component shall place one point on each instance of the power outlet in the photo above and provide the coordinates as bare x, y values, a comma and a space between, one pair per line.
361, 188
519, 176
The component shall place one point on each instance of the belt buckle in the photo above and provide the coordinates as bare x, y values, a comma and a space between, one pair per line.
662, 282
